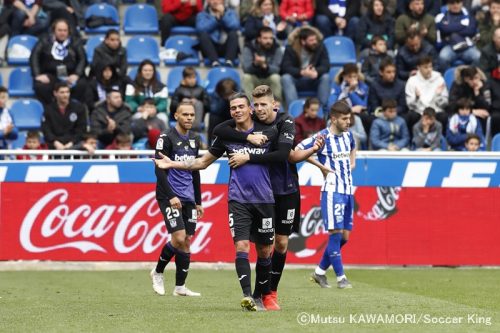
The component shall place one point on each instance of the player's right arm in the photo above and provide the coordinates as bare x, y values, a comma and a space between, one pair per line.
199, 163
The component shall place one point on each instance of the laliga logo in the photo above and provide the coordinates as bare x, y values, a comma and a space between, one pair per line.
129, 232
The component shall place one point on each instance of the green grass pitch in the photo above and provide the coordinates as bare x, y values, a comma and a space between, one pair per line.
123, 301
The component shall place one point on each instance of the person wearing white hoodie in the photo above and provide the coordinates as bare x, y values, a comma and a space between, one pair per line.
426, 88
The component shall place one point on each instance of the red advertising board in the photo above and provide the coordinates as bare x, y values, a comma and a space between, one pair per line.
121, 222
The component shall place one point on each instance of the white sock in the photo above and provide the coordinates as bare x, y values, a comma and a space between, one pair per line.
339, 278
319, 271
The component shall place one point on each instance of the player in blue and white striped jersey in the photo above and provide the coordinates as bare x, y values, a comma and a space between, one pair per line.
337, 158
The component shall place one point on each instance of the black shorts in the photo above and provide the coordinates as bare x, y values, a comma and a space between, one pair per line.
175, 220
254, 222
287, 208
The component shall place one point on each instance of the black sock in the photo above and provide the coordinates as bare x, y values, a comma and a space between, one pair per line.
166, 255
182, 260
278, 263
343, 242
263, 277
243, 271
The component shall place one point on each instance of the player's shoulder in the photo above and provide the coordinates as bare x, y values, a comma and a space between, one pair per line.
285, 118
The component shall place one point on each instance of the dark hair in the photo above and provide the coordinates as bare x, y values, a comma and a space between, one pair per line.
264, 29
111, 32
453, 1
58, 85
188, 71
376, 39
89, 135
468, 72
349, 69
226, 88
310, 101
464, 103
472, 136
148, 101
370, 11
424, 60
429, 112
139, 80
389, 104
237, 95
340, 108
386, 62
412, 33
262, 91
56, 22
33, 135
305, 33
3, 89
111, 90
123, 138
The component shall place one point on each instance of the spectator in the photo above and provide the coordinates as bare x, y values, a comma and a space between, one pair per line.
264, 14
70, 11
261, 63
110, 52
389, 132
122, 141
415, 19
427, 132
432, 7
33, 142
88, 143
219, 104
376, 22
146, 85
408, 55
178, 13
357, 129
305, 65
111, 118
490, 64
58, 59
105, 79
338, 17
191, 91
456, 28
8, 131
297, 12
217, 28
28, 17
64, 120
472, 143
462, 123
145, 121
5, 15
488, 24
308, 123
374, 56
470, 82
426, 89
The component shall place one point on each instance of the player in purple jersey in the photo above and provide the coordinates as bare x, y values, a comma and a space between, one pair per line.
179, 197
284, 177
250, 196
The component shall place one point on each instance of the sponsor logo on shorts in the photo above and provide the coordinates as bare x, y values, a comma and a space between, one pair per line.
173, 223
194, 214
290, 215
267, 223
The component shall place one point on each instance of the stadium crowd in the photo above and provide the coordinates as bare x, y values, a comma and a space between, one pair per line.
424, 75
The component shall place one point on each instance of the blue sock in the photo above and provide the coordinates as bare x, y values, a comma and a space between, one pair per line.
334, 253
325, 260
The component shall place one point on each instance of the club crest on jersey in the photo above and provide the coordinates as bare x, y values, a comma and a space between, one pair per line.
159, 143
192, 144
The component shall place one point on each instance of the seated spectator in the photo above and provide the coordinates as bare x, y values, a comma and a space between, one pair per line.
58, 59
88, 143
122, 141
308, 123
305, 65
261, 63
472, 143
456, 29
105, 79
70, 11
337, 17
264, 14
190, 91
28, 18
490, 64
8, 130
389, 132
178, 13
358, 131
217, 28
33, 142
470, 82
375, 55
408, 55
376, 22
489, 23
416, 19
111, 118
462, 123
426, 89
64, 120
219, 104
297, 12
432, 7
110, 52
145, 121
5, 15
146, 85
427, 132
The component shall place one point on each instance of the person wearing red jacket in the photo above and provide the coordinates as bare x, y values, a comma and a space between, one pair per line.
296, 12
178, 13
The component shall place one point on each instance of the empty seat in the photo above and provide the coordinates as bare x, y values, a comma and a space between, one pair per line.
140, 19
21, 82
219, 73
142, 47
103, 10
341, 50
19, 49
27, 114
184, 44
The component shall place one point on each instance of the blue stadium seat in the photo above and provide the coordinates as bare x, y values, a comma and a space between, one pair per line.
180, 30
19, 49
443, 143
140, 19
140, 48
20, 141
333, 72
104, 10
132, 73
27, 114
296, 107
140, 144
174, 79
219, 73
495, 143
183, 44
341, 50
21, 82
449, 77
90, 46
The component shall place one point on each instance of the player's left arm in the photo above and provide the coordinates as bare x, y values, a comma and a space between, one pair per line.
352, 157
299, 155
227, 131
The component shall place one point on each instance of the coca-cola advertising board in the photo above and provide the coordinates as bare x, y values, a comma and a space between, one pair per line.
122, 222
